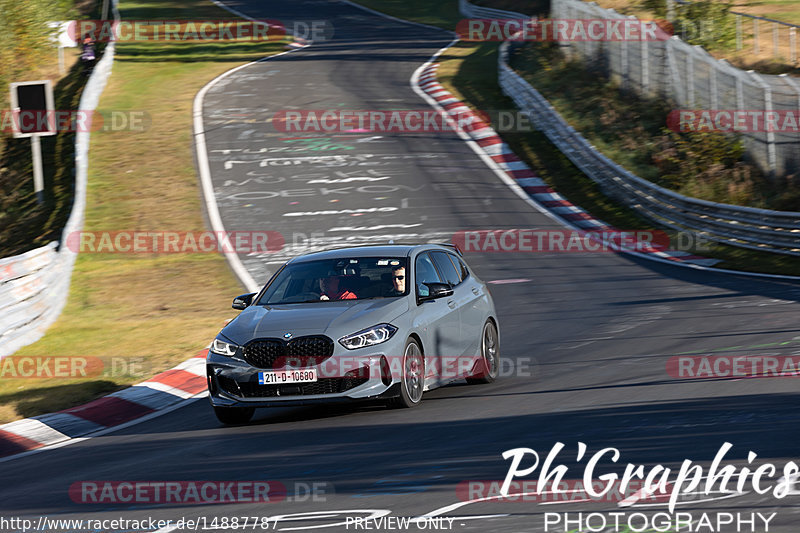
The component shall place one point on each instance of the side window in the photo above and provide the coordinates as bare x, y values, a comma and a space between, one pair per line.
446, 268
462, 265
459, 267
424, 272
277, 290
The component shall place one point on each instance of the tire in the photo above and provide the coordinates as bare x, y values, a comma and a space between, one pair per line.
234, 415
412, 380
489, 365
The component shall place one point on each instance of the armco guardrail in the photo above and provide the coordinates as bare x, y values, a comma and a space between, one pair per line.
34, 286
33, 291
25, 283
747, 227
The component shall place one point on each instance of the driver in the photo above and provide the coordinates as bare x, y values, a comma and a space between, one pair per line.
329, 289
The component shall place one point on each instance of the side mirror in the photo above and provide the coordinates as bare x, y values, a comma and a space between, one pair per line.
243, 301
437, 290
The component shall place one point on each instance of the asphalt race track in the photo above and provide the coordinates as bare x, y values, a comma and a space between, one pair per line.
585, 337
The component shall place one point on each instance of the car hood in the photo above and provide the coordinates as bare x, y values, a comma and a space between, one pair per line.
334, 319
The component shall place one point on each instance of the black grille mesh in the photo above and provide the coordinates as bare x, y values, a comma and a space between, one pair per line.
299, 352
312, 347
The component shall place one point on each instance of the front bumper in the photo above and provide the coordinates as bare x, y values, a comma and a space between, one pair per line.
344, 378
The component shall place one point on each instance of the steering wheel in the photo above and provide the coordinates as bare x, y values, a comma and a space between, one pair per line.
303, 297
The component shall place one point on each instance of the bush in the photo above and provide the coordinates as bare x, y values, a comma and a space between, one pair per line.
707, 23
707, 165
632, 131
25, 38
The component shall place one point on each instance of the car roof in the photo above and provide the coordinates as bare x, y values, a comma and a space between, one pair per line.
378, 250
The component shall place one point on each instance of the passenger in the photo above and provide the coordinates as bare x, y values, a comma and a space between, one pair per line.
398, 282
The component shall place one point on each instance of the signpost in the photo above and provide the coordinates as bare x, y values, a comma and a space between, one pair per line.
33, 109
63, 38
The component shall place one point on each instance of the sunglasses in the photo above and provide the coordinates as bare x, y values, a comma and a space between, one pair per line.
398, 277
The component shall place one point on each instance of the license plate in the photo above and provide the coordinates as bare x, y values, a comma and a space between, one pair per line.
287, 376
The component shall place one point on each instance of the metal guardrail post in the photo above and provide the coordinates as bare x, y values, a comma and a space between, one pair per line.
739, 92
712, 87
775, 39
690, 79
624, 68
738, 32
674, 74
645, 68
794, 84
756, 48
771, 155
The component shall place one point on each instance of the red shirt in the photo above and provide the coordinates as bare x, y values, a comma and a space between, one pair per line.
344, 295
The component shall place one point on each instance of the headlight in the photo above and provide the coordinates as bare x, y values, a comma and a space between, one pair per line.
223, 348
368, 337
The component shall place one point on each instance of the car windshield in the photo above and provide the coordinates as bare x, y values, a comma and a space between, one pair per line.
338, 279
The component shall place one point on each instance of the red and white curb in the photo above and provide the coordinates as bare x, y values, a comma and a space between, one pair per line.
499, 152
160, 392
297, 44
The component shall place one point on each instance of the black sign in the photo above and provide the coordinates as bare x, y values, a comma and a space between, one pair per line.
33, 115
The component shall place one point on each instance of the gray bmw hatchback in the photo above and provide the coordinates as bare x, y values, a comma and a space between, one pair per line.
365, 323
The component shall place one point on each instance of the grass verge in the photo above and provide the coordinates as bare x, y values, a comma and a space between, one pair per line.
469, 71
153, 309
